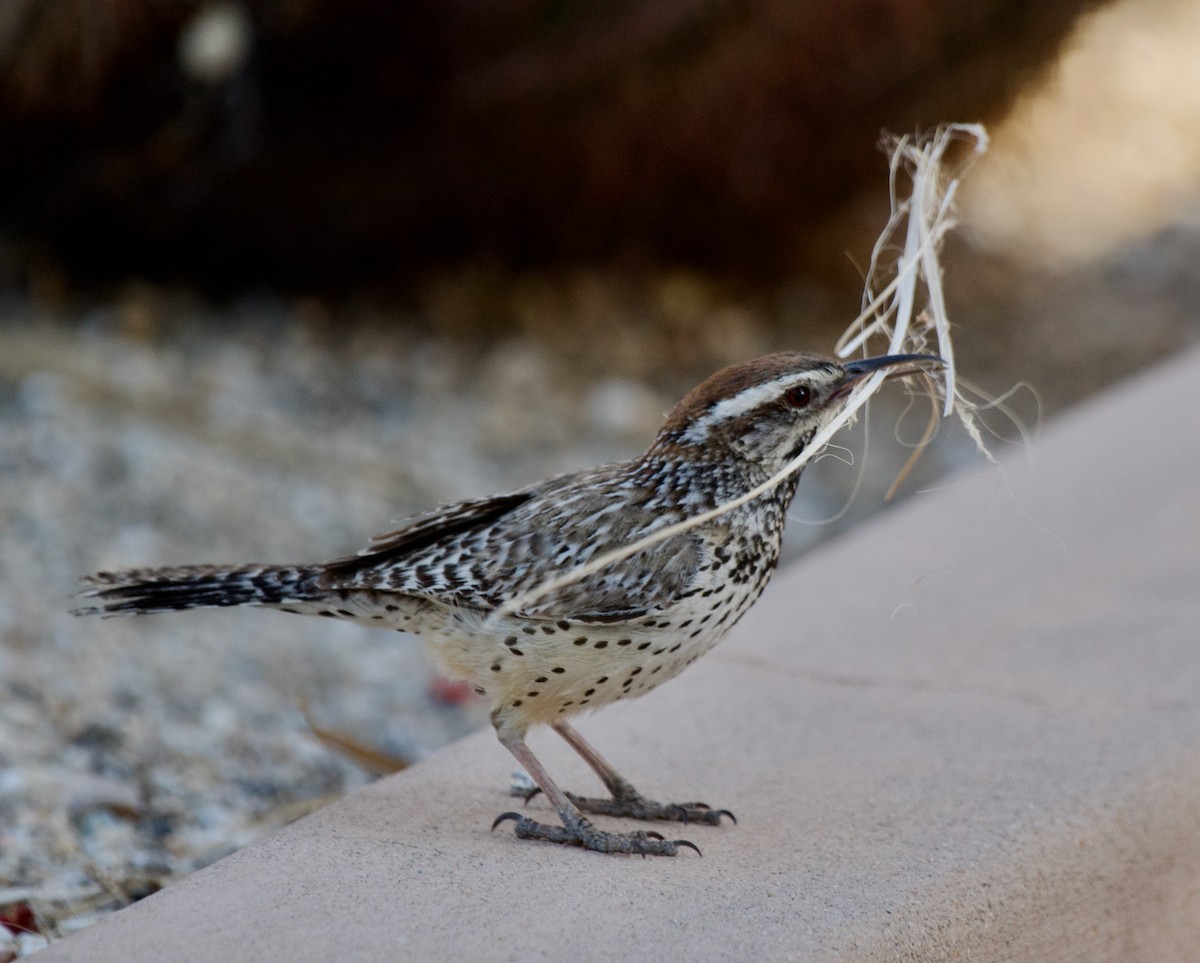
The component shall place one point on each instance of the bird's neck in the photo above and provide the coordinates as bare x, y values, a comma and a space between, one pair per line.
700, 480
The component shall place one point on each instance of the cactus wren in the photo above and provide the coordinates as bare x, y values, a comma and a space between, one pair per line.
615, 634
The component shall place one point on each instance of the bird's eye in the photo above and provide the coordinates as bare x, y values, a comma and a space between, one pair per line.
798, 397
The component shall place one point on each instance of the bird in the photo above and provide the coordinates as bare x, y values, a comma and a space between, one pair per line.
617, 633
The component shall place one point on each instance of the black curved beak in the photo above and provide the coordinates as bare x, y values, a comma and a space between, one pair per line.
859, 369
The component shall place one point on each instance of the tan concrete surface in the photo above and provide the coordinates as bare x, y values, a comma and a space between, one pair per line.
971, 730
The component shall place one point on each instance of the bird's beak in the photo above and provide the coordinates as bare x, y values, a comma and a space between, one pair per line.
903, 363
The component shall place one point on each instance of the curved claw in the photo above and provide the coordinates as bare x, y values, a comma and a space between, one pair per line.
515, 817
684, 811
689, 845
525, 797
650, 834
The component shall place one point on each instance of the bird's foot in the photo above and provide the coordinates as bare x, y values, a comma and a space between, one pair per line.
577, 831
631, 803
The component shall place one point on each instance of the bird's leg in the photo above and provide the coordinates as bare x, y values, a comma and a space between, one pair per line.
576, 830
626, 800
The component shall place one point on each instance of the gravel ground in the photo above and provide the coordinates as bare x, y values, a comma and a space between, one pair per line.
151, 431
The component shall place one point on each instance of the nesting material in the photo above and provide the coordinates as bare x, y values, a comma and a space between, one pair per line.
905, 272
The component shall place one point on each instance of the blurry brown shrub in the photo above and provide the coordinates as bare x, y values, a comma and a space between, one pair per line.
357, 139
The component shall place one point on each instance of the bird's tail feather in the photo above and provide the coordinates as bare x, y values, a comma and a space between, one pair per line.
146, 590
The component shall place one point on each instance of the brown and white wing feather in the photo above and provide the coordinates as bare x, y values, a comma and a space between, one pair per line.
480, 553
392, 548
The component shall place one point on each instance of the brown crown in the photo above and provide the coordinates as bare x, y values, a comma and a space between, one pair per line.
736, 378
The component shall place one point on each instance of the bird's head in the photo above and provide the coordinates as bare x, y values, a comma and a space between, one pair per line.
767, 410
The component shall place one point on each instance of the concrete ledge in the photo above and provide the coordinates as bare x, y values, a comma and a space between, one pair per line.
969, 731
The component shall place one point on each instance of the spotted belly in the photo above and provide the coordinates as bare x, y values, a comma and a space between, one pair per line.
541, 671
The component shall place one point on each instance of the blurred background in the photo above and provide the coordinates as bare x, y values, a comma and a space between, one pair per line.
274, 274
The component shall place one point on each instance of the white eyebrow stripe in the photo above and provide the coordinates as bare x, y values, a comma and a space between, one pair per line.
745, 401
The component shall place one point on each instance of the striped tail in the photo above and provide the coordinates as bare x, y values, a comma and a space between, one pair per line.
144, 590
